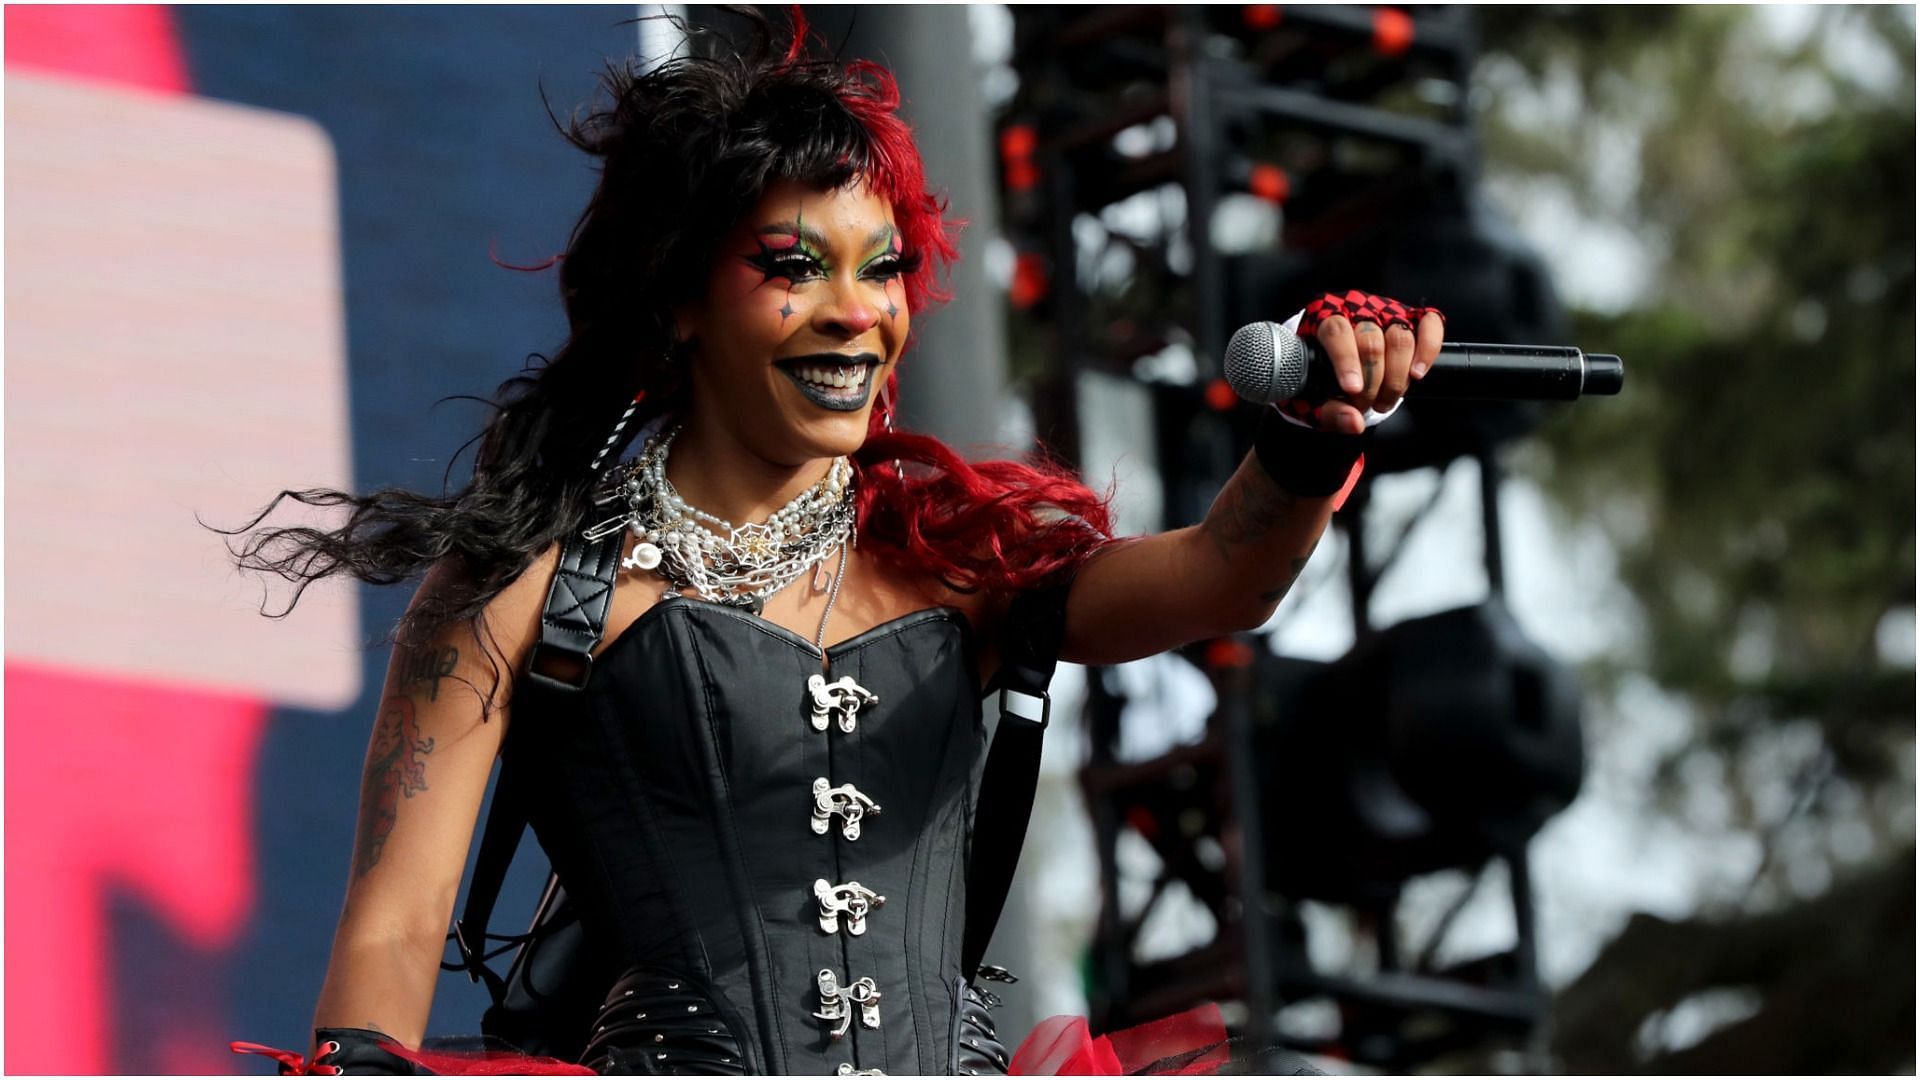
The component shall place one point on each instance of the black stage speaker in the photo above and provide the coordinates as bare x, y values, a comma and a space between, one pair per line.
1454, 739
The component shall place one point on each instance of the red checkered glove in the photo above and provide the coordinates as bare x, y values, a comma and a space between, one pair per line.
1358, 308
1361, 307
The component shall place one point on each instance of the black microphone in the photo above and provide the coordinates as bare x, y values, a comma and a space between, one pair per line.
1267, 364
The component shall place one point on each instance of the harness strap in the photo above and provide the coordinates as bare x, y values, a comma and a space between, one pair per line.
571, 626
1030, 649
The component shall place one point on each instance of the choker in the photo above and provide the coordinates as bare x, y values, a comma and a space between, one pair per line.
740, 565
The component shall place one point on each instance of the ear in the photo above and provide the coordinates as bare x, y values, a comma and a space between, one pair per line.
682, 326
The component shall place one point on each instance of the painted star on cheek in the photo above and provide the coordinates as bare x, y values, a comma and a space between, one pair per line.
786, 255
888, 266
799, 232
776, 262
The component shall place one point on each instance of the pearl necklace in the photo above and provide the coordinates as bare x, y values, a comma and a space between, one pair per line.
741, 565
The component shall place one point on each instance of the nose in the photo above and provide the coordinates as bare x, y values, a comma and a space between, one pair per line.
849, 312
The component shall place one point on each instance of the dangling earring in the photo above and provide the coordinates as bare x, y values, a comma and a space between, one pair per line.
886, 420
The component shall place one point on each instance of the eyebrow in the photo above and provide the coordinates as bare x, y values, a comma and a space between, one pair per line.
813, 238
807, 234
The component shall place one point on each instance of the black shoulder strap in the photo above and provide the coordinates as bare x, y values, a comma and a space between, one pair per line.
1030, 649
576, 614
572, 624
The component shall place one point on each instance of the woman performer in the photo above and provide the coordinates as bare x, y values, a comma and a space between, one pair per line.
740, 291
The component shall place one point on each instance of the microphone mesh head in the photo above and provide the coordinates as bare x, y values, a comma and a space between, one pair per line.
1265, 364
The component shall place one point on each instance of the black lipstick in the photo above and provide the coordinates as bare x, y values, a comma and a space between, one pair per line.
849, 399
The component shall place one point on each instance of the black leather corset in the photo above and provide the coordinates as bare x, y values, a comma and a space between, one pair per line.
773, 853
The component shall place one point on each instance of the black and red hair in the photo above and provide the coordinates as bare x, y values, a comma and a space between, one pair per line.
686, 148
689, 148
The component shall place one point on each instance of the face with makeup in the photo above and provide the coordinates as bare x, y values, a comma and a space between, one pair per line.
803, 317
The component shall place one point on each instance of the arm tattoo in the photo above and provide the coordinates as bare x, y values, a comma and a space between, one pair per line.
396, 766
1293, 574
1246, 510
428, 665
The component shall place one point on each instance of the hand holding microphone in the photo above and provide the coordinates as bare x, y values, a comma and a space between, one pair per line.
1357, 352
1374, 349
1352, 360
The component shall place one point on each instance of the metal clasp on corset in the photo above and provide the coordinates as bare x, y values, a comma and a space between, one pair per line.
847, 801
853, 900
837, 1003
841, 699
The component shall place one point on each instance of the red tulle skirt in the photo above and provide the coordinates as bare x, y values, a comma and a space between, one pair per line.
1192, 1043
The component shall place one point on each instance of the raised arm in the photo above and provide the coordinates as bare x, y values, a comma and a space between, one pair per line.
427, 764
1228, 573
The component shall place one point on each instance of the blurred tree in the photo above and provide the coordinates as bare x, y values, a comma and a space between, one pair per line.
1757, 479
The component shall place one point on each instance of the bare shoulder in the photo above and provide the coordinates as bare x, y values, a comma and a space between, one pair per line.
881, 588
481, 655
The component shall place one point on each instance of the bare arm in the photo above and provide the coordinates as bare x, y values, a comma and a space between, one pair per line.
427, 764
1226, 574
1229, 572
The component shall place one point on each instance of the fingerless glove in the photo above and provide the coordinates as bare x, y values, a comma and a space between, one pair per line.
1361, 307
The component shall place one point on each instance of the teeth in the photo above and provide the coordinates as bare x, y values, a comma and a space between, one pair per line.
836, 378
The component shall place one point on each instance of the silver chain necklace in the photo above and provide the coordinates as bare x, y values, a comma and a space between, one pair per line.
741, 565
